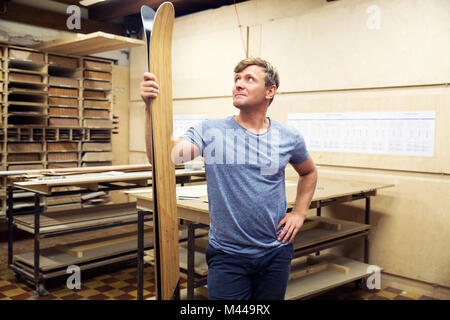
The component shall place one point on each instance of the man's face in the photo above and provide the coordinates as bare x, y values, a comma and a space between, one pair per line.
249, 88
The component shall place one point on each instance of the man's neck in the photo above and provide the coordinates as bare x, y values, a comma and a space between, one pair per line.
254, 122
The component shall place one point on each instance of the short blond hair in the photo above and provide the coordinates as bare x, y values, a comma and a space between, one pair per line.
271, 79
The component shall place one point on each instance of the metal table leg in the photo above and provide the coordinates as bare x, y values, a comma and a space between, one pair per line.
191, 261
366, 238
9, 214
140, 254
319, 213
40, 287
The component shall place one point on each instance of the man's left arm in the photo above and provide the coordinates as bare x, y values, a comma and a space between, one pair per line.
293, 220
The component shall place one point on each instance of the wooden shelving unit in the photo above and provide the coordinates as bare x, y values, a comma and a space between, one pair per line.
56, 113
96, 113
64, 110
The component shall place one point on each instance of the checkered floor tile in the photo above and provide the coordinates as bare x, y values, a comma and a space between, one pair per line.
349, 292
122, 285
118, 285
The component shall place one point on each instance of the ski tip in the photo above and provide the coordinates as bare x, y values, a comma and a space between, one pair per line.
147, 12
166, 6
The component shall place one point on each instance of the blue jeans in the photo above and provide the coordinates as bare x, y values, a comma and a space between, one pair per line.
235, 277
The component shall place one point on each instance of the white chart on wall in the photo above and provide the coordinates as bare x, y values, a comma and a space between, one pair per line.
182, 122
409, 133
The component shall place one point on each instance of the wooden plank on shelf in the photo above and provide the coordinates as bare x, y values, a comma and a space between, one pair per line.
53, 259
91, 113
95, 75
94, 94
61, 122
307, 270
326, 279
97, 65
59, 101
314, 265
96, 103
24, 77
26, 55
97, 146
62, 146
27, 91
13, 167
24, 147
322, 232
88, 196
87, 44
81, 248
98, 85
47, 183
64, 217
84, 266
60, 61
63, 81
59, 165
77, 171
311, 224
98, 123
200, 267
62, 156
62, 206
63, 92
81, 224
63, 111
97, 156
53, 200
23, 157
97, 164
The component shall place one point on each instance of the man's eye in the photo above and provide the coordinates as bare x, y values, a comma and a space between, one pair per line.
250, 79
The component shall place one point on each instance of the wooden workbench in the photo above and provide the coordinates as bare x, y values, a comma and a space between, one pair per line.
328, 192
38, 264
45, 184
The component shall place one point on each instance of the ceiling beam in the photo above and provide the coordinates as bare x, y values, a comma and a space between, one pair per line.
49, 19
69, 2
112, 9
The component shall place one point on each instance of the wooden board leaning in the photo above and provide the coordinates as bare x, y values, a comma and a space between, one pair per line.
167, 272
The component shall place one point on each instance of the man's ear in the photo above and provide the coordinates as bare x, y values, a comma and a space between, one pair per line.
270, 92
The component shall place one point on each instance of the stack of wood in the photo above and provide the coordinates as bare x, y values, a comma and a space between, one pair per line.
95, 198
62, 202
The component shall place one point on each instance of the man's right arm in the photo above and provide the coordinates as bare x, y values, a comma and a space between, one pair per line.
182, 150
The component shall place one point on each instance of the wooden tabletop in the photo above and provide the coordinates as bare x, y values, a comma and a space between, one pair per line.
45, 184
326, 189
86, 44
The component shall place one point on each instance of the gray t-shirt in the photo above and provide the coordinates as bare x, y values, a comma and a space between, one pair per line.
246, 181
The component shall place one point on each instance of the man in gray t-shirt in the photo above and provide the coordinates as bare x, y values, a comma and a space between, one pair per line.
245, 157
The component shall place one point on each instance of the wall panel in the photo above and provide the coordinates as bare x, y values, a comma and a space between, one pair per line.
333, 48
406, 99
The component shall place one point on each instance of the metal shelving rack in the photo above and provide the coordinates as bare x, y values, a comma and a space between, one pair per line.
35, 265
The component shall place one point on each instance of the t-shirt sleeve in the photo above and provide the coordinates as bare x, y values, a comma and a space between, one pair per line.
299, 153
194, 135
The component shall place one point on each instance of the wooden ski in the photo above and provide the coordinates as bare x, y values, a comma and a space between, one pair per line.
158, 32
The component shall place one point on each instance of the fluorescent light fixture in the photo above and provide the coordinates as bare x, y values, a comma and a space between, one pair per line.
88, 3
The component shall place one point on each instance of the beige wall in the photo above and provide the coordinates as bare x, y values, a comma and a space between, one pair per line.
120, 141
330, 60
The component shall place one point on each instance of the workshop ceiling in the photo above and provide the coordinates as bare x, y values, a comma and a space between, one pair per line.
119, 17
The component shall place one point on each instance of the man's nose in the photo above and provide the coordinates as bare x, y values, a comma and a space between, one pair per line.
239, 84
